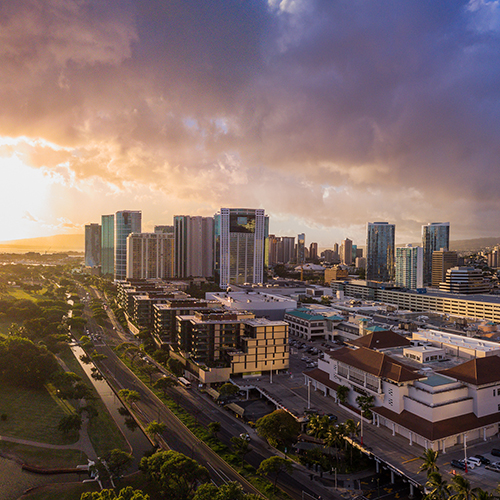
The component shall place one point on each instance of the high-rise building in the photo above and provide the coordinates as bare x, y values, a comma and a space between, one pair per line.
313, 251
301, 245
108, 245
286, 249
435, 236
410, 267
126, 222
442, 260
380, 243
346, 252
240, 240
164, 229
150, 255
194, 246
93, 245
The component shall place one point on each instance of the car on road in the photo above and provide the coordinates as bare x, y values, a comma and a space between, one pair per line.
457, 464
495, 452
245, 436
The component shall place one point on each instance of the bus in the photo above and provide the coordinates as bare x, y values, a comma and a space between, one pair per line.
184, 382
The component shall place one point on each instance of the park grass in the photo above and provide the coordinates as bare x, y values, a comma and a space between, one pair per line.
19, 293
73, 491
4, 328
42, 457
61, 491
31, 414
103, 431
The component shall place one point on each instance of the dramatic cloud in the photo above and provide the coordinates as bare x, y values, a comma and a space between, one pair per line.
326, 113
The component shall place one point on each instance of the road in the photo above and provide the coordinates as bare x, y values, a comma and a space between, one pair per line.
179, 438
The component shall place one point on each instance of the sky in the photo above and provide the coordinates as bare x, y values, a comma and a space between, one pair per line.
328, 114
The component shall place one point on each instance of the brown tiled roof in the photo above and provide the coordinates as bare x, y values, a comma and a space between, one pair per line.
477, 371
376, 363
437, 430
381, 340
322, 377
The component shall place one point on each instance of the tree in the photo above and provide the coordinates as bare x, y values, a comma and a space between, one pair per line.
366, 403
279, 427
149, 370
133, 351
437, 487
174, 474
129, 396
214, 428
228, 491
127, 493
175, 367
70, 423
155, 429
318, 426
342, 392
118, 461
228, 389
335, 438
461, 487
274, 466
430, 461
165, 383
240, 446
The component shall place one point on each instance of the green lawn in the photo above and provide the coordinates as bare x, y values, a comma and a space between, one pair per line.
4, 328
31, 414
19, 293
43, 457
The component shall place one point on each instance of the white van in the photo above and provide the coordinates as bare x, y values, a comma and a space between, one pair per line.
473, 461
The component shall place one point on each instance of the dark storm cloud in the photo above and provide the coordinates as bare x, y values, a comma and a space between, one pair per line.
360, 109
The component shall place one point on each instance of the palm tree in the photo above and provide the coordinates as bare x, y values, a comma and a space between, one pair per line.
479, 494
342, 392
335, 437
351, 429
430, 461
461, 486
318, 426
437, 487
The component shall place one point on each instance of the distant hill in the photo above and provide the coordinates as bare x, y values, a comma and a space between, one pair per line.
46, 244
473, 245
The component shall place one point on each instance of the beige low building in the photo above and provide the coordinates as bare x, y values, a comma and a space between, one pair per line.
430, 406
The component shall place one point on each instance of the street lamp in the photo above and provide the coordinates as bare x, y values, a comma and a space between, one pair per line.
361, 419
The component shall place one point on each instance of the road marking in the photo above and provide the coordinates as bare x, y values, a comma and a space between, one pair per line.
411, 460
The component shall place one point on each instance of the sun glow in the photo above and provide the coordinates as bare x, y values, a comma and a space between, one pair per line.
24, 193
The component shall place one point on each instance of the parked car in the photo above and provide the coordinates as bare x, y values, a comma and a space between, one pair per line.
495, 452
483, 460
458, 464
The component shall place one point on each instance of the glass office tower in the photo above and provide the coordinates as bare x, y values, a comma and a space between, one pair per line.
93, 245
435, 236
380, 244
126, 222
108, 245
240, 240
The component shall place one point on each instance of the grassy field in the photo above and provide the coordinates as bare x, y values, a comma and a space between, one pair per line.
4, 328
73, 491
31, 414
103, 432
19, 293
42, 457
